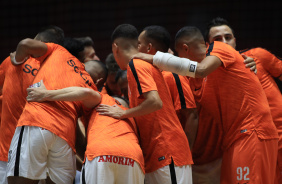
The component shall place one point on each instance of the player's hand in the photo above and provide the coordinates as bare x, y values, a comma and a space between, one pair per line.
13, 59
37, 94
146, 57
250, 63
113, 111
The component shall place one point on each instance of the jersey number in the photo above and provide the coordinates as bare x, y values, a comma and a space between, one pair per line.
240, 173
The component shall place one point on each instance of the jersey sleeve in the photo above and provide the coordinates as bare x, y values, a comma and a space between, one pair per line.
50, 48
270, 62
143, 76
223, 51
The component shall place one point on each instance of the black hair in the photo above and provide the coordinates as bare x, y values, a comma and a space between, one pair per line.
74, 46
86, 41
187, 31
111, 63
160, 35
52, 34
120, 74
125, 31
218, 21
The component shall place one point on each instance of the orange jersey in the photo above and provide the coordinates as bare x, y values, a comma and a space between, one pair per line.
60, 70
113, 137
180, 91
269, 66
235, 98
17, 79
161, 134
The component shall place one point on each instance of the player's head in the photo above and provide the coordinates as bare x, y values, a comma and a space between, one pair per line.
74, 47
111, 84
189, 43
89, 52
120, 100
121, 80
152, 39
51, 34
97, 71
219, 29
124, 41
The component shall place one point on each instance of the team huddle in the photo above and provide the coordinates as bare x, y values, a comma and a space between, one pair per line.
209, 115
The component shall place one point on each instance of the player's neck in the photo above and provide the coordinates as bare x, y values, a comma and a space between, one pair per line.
128, 54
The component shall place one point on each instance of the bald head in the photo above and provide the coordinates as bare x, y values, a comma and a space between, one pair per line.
98, 72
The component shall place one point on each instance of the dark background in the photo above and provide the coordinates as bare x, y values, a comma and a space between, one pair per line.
256, 23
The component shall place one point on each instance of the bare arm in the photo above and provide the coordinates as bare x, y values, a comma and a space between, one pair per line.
26, 48
89, 97
189, 120
151, 104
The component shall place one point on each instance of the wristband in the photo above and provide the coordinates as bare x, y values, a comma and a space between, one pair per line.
169, 62
18, 63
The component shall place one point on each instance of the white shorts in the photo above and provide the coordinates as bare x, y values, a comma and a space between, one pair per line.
35, 152
207, 173
3, 172
170, 174
103, 171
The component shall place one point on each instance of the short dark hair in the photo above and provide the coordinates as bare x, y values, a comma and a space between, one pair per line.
73, 46
160, 35
187, 31
52, 34
218, 21
121, 73
125, 31
111, 63
86, 41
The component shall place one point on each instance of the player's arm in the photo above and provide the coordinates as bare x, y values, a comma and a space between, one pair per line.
88, 97
26, 48
189, 120
182, 66
151, 104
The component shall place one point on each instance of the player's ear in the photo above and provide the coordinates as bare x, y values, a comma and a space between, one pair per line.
114, 47
149, 47
185, 47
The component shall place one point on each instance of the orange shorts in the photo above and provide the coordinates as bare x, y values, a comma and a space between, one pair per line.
279, 161
250, 160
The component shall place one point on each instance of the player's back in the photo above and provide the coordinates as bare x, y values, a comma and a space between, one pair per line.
60, 70
269, 66
180, 90
236, 97
17, 79
110, 136
161, 134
